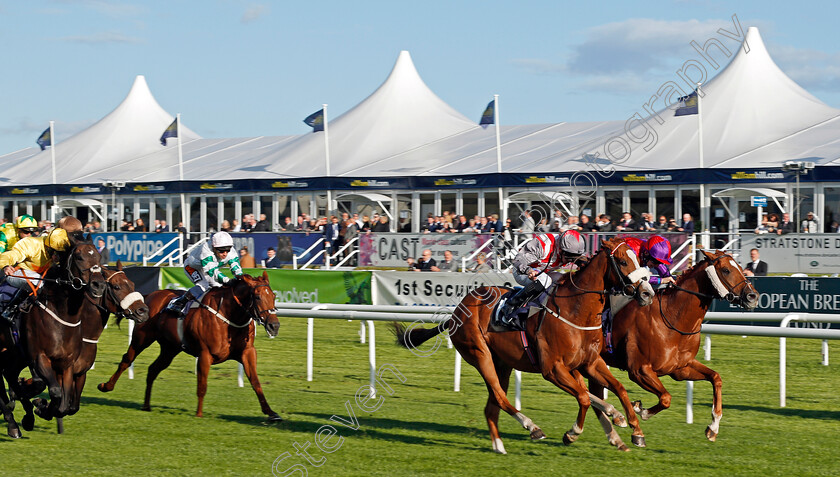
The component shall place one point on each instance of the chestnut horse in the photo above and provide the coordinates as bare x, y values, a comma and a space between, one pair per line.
219, 330
663, 339
565, 341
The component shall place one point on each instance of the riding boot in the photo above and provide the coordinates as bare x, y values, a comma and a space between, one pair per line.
8, 311
524, 295
179, 305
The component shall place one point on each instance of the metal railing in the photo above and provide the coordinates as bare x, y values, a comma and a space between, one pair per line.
355, 251
295, 258
169, 256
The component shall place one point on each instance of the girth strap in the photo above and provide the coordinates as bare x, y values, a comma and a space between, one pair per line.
527, 348
219, 316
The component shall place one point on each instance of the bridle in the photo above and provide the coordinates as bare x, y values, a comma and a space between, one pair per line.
721, 293
77, 282
627, 281
122, 306
253, 308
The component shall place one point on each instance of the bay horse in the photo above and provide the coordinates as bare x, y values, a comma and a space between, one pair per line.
219, 330
119, 299
663, 338
50, 331
566, 341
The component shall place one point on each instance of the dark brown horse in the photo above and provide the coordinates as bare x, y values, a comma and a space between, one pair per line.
119, 299
565, 341
50, 333
219, 330
663, 339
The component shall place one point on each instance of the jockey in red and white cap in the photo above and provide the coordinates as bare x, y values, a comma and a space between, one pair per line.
540, 255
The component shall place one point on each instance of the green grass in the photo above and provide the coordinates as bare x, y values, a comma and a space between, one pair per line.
426, 428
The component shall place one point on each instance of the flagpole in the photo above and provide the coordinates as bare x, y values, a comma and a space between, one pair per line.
704, 210
502, 213
54, 181
327, 158
185, 216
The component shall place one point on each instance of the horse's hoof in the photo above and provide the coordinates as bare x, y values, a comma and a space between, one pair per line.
567, 440
103, 387
710, 434
638, 441
14, 433
146, 408
623, 447
620, 421
637, 406
537, 434
274, 417
28, 422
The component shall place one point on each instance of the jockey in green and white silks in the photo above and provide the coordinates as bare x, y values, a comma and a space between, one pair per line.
203, 266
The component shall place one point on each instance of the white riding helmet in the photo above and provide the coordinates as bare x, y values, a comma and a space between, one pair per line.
222, 239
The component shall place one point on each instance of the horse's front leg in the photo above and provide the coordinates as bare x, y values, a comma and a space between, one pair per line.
203, 369
6, 407
599, 372
561, 377
696, 371
249, 362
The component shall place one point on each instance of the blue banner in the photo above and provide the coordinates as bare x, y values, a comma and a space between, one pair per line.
284, 244
132, 246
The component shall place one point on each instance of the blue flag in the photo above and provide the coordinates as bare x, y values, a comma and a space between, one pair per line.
171, 131
315, 120
45, 139
688, 105
489, 114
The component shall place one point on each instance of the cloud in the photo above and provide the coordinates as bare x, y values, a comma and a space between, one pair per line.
253, 13
812, 69
106, 7
102, 38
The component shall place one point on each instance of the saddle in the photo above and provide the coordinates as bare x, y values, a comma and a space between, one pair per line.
520, 316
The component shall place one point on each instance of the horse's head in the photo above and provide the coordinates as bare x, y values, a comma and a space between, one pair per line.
261, 306
121, 298
82, 265
627, 271
728, 280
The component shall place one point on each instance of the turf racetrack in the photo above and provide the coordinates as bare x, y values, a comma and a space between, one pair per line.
426, 428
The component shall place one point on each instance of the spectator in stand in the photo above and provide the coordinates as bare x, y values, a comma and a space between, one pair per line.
785, 226
351, 231
811, 224
762, 227
462, 224
772, 223
542, 227
365, 224
626, 224
246, 224
246, 260
140, 226
646, 224
225, 226
382, 225
687, 224
236, 226
164, 227
430, 225
262, 225
300, 223
424, 263
586, 225
496, 226
288, 225
157, 227
447, 265
97, 226
103, 252
332, 234
313, 226
528, 224
483, 226
662, 225
605, 224
756, 267
673, 225
571, 224
271, 259
481, 265
360, 224
405, 225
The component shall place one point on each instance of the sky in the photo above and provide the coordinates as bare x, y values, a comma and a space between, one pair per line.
256, 68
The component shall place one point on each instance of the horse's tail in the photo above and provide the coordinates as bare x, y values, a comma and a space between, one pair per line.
414, 336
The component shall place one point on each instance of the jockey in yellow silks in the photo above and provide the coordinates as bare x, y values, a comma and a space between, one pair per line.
24, 265
10, 233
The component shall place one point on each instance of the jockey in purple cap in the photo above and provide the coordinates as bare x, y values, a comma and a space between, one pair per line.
657, 258
531, 266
